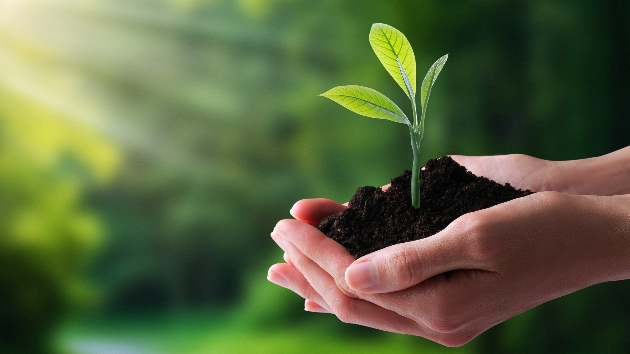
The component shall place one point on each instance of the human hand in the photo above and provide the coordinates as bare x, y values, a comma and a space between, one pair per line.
603, 175
520, 171
484, 268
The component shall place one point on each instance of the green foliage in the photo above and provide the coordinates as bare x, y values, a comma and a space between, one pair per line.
395, 53
366, 102
427, 85
47, 237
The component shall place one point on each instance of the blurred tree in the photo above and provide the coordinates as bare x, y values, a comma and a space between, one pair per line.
46, 234
230, 94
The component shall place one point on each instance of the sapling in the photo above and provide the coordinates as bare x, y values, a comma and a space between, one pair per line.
395, 53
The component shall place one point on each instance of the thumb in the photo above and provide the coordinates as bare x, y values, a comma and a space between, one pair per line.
404, 265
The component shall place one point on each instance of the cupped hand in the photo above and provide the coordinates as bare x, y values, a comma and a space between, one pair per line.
484, 268
521, 171
603, 175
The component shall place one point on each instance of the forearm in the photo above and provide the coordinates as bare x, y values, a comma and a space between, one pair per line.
604, 175
609, 242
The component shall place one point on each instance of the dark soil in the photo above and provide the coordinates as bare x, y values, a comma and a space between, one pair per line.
377, 219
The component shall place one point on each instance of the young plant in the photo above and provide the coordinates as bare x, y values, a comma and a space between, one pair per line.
395, 53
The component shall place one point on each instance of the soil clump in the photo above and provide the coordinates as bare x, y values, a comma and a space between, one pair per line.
377, 219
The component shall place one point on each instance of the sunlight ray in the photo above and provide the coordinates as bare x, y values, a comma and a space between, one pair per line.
131, 56
100, 64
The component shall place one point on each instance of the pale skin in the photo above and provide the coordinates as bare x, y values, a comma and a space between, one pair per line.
486, 266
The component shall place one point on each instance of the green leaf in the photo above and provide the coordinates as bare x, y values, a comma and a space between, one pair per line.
395, 53
367, 102
429, 80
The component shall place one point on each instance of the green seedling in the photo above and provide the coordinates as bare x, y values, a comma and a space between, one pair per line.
395, 53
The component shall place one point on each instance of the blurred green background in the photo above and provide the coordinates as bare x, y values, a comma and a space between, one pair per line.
147, 149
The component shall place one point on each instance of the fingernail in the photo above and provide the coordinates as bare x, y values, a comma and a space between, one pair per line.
363, 275
286, 258
277, 279
312, 306
292, 211
275, 235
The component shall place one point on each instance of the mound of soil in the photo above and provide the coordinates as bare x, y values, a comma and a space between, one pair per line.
377, 219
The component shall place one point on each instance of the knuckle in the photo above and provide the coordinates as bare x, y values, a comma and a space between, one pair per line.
299, 262
344, 310
444, 316
344, 288
344, 316
444, 324
468, 223
309, 293
401, 266
478, 229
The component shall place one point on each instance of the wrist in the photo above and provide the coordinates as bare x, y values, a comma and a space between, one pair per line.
621, 231
610, 239
604, 175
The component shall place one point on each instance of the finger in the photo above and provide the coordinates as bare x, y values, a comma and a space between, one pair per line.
312, 306
313, 210
277, 239
347, 309
287, 259
366, 313
404, 265
325, 252
287, 276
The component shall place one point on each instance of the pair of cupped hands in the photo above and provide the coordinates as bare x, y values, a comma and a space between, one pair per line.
485, 267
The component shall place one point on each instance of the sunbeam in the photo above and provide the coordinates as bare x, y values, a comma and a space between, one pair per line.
99, 64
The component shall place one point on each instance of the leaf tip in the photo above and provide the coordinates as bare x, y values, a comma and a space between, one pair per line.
379, 27
326, 94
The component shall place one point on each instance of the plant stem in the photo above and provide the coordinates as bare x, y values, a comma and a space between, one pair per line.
415, 132
415, 171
